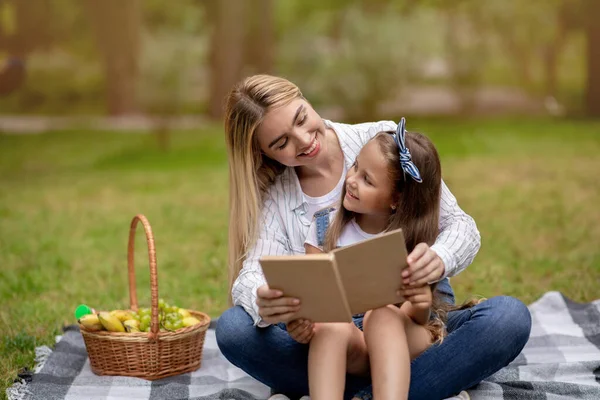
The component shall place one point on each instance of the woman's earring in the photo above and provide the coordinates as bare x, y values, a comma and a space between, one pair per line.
394, 208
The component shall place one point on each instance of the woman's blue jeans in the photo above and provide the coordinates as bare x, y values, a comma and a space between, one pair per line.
481, 340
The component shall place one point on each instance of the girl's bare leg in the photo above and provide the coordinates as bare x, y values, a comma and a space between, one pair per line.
336, 348
393, 340
388, 353
419, 338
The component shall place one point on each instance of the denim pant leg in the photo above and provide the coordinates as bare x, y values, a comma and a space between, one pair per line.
269, 354
445, 291
481, 341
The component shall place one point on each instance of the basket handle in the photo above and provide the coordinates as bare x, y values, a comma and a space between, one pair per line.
154, 327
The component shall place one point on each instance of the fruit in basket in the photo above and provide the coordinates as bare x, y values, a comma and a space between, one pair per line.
170, 318
132, 325
184, 313
91, 322
190, 321
144, 326
144, 311
110, 322
172, 322
122, 315
145, 319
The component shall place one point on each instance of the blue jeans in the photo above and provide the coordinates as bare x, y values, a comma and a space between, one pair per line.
481, 340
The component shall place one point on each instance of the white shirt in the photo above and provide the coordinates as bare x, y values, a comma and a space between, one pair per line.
350, 234
284, 222
318, 203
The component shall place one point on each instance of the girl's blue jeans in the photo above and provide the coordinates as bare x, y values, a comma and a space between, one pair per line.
481, 340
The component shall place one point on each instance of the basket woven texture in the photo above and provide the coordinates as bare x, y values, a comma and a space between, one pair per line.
150, 355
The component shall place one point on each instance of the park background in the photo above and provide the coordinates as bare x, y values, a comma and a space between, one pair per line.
113, 108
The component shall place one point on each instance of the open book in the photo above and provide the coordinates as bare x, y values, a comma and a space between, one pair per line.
350, 280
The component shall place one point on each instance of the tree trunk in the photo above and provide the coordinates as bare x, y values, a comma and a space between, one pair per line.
29, 30
463, 77
520, 57
374, 7
227, 54
553, 50
117, 26
261, 39
592, 29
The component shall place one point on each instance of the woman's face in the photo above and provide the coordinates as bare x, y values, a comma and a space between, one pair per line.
368, 185
293, 135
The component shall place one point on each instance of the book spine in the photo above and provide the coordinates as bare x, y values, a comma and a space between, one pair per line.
341, 287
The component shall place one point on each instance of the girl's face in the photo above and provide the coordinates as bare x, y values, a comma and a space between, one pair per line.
293, 135
368, 187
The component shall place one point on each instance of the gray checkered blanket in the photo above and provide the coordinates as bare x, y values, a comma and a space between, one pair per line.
560, 361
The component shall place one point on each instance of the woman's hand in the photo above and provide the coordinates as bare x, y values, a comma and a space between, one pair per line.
424, 266
273, 307
301, 330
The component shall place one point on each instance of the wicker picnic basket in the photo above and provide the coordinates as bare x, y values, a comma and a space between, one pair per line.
149, 355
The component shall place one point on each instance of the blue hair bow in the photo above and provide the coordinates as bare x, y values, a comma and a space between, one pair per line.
405, 160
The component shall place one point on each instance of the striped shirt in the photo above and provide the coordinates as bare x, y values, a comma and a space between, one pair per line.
284, 221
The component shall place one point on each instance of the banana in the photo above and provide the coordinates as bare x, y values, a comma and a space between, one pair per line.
122, 315
110, 322
132, 325
91, 322
184, 313
189, 321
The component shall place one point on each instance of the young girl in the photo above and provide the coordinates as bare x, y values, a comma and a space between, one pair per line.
388, 187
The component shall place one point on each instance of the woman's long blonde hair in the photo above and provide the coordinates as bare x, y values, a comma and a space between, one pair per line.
250, 172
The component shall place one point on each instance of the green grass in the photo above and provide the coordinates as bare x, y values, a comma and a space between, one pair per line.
66, 201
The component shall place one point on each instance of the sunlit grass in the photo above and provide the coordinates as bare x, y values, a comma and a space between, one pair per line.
66, 201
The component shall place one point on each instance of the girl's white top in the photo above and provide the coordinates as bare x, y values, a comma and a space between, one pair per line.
350, 234
285, 221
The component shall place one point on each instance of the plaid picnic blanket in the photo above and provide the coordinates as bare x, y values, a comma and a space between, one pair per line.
560, 361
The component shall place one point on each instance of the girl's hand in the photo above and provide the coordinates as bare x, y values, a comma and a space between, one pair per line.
424, 266
421, 298
273, 307
301, 330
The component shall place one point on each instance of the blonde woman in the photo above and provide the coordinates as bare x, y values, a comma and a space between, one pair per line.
285, 164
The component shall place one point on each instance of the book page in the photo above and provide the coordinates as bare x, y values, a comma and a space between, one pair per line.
371, 271
312, 279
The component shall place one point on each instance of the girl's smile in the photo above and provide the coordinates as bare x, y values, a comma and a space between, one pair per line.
369, 190
350, 195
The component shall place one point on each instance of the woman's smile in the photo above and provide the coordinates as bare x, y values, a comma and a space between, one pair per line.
312, 150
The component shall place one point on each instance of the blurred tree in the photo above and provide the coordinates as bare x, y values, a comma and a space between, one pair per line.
592, 30
367, 66
374, 7
226, 49
554, 48
465, 50
12, 76
117, 25
23, 28
260, 41
523, 29
183, 15
528, 37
